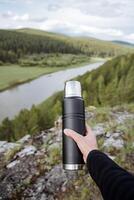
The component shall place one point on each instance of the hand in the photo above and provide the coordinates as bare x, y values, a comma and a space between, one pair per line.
85, 143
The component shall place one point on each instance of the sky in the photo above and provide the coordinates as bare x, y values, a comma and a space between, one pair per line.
103, 19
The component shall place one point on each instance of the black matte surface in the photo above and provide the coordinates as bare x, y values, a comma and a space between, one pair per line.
73, 118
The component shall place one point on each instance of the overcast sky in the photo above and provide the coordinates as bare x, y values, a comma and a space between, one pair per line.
104, 19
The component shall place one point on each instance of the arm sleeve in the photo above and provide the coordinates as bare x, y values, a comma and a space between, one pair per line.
114, 182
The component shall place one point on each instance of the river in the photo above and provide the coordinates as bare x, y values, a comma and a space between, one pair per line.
36, 91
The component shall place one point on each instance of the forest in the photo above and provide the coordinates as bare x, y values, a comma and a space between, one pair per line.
109, 85
16, 44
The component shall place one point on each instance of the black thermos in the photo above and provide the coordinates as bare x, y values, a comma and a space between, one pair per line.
73, 117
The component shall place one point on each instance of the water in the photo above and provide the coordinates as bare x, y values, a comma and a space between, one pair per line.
36, 91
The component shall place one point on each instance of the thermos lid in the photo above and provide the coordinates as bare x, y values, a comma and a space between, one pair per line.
72, 88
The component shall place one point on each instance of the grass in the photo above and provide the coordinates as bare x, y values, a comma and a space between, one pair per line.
12, 75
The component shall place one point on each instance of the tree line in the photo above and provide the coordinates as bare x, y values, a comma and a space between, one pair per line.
111, 84
14, 45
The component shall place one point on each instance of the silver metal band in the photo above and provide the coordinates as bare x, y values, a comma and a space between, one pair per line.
72, 166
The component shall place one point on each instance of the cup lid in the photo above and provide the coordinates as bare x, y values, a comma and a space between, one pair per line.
72, 88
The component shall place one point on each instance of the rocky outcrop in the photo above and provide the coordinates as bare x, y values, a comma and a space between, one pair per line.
31, 167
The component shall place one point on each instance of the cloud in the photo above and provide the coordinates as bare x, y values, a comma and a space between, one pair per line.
7, 14
15, 1
53, 7
73, 29
38, 19
104, 19
130, 37
13, 16
25, 17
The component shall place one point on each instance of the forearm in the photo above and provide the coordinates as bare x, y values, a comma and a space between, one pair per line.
113, 181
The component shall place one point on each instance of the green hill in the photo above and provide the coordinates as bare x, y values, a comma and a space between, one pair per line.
111, 84
15, 44
127, 44
88, 45
41, 32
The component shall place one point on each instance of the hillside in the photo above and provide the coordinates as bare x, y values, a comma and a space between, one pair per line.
128, 44
87, 45
40, 32
31, 168
15, 44
111, 84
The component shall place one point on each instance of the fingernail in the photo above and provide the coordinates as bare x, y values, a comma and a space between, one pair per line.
66, 131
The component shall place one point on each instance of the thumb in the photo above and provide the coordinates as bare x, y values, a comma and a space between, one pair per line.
74, 135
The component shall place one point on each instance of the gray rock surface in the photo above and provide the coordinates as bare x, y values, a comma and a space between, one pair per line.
26, 168
47, 186
116, 143
28, 150
99, 129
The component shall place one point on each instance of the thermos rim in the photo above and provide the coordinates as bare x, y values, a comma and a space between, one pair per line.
73, 166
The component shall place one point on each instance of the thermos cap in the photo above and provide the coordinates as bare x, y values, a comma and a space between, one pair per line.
72, 88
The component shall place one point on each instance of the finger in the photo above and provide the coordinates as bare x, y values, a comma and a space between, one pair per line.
74, 135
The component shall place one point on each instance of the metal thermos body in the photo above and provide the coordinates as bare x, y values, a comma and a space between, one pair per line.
73, 117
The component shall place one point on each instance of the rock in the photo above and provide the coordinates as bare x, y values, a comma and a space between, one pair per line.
114, 135
114, 140
120, 117
117, 135
52, 129
38, 140
50, 142
108, 134
7, 151
53, 146
12, 164
26, 139
28, 150
59, 136
44, 137
34, 173
116, 143
99, 129
47, 186
2, 143
7, 146
19, 174
88, 115
55, 179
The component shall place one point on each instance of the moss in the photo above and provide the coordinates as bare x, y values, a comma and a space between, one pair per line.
124, 107
54, 155
11, 152
91, 108
103, 115
83, 188
100, 142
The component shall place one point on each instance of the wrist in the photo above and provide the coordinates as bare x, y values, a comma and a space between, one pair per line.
88, 153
